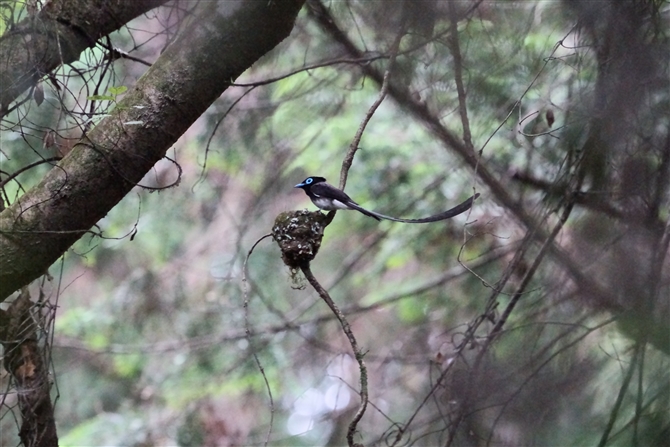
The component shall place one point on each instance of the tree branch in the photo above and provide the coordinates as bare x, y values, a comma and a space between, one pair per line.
57, 35
422, 114
108, 162
354, 346
455, 47
353, 147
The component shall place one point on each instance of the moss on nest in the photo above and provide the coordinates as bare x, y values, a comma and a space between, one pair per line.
299, 235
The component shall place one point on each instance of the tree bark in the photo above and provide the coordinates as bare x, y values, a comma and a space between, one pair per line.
24, 360
221, 42
57, 35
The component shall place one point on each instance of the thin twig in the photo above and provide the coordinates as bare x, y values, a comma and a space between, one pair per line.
458, 75
201, 177
640, 396
357, 61
354, 346
15, 174
536, 370
497, 329
421, 113
247, 330
622, 393
353, 147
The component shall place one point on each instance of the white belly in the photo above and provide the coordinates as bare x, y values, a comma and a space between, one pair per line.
328, 204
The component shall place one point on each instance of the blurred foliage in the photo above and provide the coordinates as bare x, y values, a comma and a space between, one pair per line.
151, 344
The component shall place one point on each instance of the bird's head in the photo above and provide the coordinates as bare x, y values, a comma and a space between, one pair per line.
309, 182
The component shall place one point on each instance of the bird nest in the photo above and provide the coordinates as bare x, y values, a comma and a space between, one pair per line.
299, 235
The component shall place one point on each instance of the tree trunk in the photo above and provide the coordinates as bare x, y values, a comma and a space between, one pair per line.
57, 35
23, 359
221, 42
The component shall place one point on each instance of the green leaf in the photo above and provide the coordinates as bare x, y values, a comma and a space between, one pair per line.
117, 90
100, 98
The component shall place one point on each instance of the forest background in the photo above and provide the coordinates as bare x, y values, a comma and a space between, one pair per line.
147, 148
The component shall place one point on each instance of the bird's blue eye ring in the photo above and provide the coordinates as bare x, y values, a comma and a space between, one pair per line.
309, 180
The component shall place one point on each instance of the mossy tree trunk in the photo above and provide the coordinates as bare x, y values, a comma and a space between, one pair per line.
222, 41
57, 35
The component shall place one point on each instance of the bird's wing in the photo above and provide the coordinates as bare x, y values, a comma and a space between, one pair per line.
330, 192
325, 190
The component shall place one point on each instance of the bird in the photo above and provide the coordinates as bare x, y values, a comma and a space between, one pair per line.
327, 197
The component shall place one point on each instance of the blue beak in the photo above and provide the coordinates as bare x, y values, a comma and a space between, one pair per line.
299, 185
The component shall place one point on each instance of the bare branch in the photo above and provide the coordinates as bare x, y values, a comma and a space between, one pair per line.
353, 147
358, 354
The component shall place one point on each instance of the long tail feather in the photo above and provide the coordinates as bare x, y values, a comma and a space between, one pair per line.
455, 211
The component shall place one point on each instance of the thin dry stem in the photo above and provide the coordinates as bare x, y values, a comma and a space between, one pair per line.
354, 346
353, 147
247, 329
